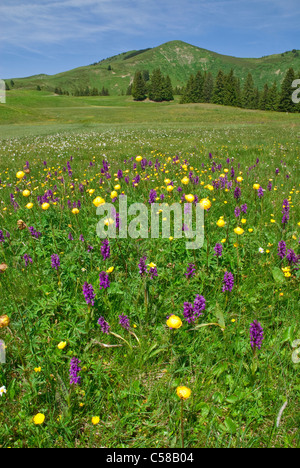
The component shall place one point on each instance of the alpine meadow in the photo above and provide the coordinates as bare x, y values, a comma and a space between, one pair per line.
129, 339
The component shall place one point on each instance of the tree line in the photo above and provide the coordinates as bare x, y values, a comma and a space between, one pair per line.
226, 89
87, 91
156, 86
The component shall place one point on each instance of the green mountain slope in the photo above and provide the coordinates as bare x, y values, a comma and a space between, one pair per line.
176, 58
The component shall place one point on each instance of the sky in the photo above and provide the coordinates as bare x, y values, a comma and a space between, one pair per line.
52, 36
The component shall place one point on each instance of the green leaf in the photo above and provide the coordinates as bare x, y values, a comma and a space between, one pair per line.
287, 335
230, 425
220, 316
278, 275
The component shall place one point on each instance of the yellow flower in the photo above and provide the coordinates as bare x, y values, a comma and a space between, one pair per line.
62, 345
37, 369
108, 222
91, 191
20, 175
189, 198
243, 221
110, 270
183, 392
185, 180
223, 241
4, 321
152, 265
75, 211
113, 194
29, 206
239, 231
95, 420
171, 238
45, 206
26, 193
39, 419
239, 179
138, 158
98, 201
221, 222
256, 186
250, 230
167, 181
205, 203
174, 322
170, 188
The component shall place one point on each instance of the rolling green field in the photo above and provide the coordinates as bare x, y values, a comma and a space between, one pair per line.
58, 154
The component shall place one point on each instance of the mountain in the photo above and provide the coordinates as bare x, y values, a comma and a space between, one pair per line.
176, 58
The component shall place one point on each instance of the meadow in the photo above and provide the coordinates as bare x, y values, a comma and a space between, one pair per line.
139, 343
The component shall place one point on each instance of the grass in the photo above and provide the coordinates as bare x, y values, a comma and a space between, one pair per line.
236, 395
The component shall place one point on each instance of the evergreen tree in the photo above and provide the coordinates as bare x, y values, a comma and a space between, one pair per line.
208, 87
263, 100
167, 90
138, 87
230, 90
198, 90
249, 94
129, 90
155, 86
272, 101
285, 103
218, 92
188, 94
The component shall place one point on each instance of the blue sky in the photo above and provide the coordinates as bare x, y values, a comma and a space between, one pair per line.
52, 36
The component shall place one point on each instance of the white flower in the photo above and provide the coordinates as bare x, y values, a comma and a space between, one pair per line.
261, 250
2, 390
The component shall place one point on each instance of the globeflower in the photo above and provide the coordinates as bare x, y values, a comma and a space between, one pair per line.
256, 186
205, 203
190, 198
183, 392
45, 206
98, 201
20, 175
39, 419
26, 193
62, 345
221, 222
174, 322
239, 231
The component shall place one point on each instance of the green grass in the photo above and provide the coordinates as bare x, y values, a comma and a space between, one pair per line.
236, 397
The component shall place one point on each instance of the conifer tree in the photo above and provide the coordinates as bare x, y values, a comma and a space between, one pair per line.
218, 92
167, 90
263, 100
208, 87
272, 101
249, 95
285, 103
155, 86
138, 90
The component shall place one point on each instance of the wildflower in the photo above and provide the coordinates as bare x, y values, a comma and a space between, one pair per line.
174, 322
285, 211
39, 419
142, 266
282, 249
153, 272
239, 231
256, 186
55, 262
89, 294
205, 203
170, 188
105, 249
26, 193
244, 208
29, 206
292, 257
37, 369
62, 345
75, 379
189, 198
199, 306
261, 250
218, 250
98, 201
27, 260
20, 175
183, 392
260, 192
221, 222
152, 196
237, 193
103, 325
124, 321
113, 194
190, 271
256, 334
95, 420
75, 211
4, 321
45, 206
104, 280
228, 282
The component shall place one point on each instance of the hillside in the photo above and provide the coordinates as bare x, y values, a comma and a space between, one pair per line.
176, 58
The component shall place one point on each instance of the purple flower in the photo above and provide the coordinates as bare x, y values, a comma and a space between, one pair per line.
153, 272
199, 306
70, 237
27, 260
237, 212
104, 325
256, 334
218, 250
1, 236
81, 238
285, 211
105, 249
34, 233
104, 280
89, 294
55, 262
75, 379
282, 249
237, 193
188, 311
142, 266
244, 208
260, 192
228, 282
292, 257
152, 196
190, 271
124, 321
